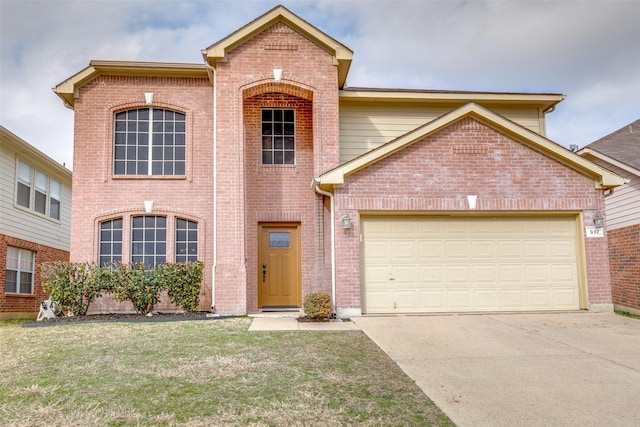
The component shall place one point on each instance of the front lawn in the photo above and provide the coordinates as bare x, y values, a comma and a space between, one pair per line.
201, 373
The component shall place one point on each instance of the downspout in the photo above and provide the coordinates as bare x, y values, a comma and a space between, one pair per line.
215, 189
316, 187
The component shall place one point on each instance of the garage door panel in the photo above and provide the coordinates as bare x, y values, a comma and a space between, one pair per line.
432, 274
402, 250
377, 274
377, 250
456, 249
485, 274
536, 275
564, 273
563, 249
508, 249
564, 298
459, 299
487, 299
536, 249
432, 300
430, 249
512, 299
469, 264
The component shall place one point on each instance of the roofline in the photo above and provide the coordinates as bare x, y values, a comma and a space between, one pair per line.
343, 56
545, 100
68, 89
610, 160
21, 145
603, 177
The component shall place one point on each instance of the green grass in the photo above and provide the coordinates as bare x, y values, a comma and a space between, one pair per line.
627, 314
201, 373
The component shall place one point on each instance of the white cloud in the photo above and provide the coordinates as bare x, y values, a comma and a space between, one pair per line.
586, 50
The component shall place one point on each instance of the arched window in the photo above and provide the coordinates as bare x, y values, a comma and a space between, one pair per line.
186, 240
110, 241
149, 141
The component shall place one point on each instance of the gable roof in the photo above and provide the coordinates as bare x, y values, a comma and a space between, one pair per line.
620, 148
545, 101
19, 145
68, 89
342, 55
602, 177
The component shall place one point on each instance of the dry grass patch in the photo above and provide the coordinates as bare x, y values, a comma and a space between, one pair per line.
201, 373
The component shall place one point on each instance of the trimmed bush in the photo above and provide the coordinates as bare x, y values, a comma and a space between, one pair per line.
72, 285
182, 282
318, 305
136, 284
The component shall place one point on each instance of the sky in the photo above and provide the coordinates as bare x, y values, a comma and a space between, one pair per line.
586, 50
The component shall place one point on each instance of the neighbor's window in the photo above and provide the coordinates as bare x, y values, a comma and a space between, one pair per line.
110, 241
278, 137
149, 240
37, 191
149, 141
186, 240
19, 272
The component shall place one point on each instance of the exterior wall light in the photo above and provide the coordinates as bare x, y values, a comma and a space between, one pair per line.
148, 206
148, 98
598, 220
346, 223
277, 74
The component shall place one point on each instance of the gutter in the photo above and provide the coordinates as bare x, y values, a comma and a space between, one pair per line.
316, 187
215, 189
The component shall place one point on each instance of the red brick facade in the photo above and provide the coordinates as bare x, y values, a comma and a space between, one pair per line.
98, 195
229, 192
248, 193
436, 174
624, 255
23, 305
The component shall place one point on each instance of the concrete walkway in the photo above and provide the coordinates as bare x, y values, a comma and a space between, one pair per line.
560, 369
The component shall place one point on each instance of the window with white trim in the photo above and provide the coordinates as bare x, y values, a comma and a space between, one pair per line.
149, 141
110, 241
186, 240
19, 271
149, 240
278, 136
37, 191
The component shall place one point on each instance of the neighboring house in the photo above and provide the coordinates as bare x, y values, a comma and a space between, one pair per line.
620, 153
264, 165
35, 219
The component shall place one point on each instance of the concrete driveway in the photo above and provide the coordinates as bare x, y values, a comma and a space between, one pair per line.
560, 369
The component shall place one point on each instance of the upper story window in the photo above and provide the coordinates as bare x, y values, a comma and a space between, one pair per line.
19, 271
37, 191
278, 137
149, 141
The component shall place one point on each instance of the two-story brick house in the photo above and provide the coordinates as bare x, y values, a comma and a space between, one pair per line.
264, 165
35, 222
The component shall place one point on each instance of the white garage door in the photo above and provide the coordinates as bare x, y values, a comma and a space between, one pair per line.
453, 264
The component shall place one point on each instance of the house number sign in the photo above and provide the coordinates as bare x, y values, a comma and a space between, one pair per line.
594, 231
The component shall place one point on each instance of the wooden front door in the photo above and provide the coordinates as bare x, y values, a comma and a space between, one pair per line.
279, 283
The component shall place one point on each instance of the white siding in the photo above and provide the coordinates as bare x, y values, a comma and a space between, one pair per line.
24, 224
364, 127
623, 206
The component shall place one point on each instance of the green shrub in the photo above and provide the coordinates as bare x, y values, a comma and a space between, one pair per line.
72, 285
136, 284
317, 305
182, 282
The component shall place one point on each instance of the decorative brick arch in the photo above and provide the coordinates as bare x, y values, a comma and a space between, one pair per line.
272, 87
